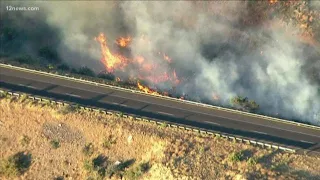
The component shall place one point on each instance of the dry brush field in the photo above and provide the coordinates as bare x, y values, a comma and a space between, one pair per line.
38, 141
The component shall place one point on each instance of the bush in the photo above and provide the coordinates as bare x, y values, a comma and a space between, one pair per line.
97, 166
67, 109
108, 76
138, 171
59, 178
252, 161
88, 149
108, 142
236, 156
164, 125
3, 94
49, 54
243, 103
15, 165
23, 97
25, 140
119, 168
86, 71
55, 144
63, 67
25, 59
88, 165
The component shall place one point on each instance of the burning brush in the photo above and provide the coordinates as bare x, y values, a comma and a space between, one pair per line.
147, 70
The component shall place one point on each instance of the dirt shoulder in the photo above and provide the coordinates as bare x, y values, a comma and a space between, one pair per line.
79, 145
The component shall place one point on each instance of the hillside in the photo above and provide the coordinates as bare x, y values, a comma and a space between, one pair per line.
57, 143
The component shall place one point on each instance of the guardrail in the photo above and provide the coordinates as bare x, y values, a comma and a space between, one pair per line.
199, 131
165, 97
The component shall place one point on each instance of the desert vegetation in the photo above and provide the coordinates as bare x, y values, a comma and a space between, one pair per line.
44, 141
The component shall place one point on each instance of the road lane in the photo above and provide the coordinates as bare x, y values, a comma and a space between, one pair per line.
186, 113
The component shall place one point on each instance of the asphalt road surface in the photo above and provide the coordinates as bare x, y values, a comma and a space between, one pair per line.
257, 128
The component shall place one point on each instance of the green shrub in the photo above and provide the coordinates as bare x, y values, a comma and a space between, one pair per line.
108, 142
23, 97
25, 140
86, 71
252, 161
55, 144
15, 165
97, 166
88, 149
236, 156
135, 173
67, 109
164, 125
108, 76
25, 59
3, 94
63, 67
281, 166
88, 165
244, 103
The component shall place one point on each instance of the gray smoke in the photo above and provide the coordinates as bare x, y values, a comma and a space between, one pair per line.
210, 40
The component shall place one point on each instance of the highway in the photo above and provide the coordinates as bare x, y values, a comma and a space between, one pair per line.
291, 135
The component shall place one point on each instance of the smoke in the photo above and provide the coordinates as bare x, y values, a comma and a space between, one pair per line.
220, 46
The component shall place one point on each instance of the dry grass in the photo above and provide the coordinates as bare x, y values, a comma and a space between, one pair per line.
32, 128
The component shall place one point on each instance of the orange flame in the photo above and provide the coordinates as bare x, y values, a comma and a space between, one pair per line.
123, 42
175, 78
273, 1
215, 96
147, 90
110, 60
148, 70
167, 58
140, 59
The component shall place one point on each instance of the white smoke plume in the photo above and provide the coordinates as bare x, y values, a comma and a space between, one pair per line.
265, 62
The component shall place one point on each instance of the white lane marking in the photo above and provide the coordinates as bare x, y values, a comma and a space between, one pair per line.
259, 132
29, 86
74, 95
306, 141
212, 123
185, 109
119, 104
160, 112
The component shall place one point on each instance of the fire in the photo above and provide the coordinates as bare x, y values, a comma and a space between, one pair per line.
273, 1
175, 78
123, 42
215, 96
148, 70
110, 60
167, 58
140, 59
147, 90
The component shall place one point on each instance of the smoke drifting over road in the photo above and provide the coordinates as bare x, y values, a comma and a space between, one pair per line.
221, 48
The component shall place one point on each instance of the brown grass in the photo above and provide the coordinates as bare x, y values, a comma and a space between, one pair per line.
172, 154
